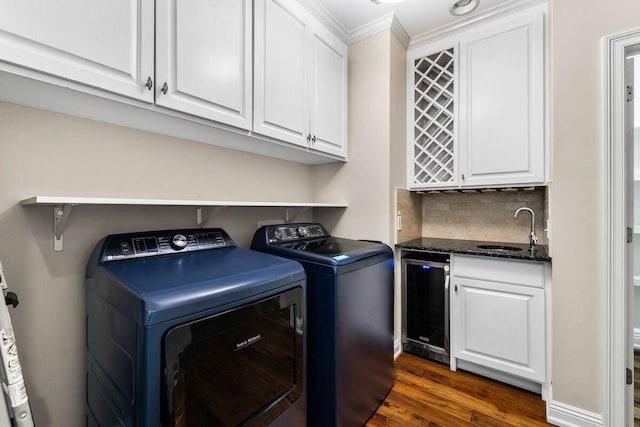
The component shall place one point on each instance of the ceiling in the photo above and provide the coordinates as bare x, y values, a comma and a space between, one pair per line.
416, 16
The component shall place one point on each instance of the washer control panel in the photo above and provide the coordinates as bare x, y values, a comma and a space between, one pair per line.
290, 232
136, 245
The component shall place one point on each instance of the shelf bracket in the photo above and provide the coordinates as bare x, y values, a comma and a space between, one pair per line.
60, 218
295, 216
209, 213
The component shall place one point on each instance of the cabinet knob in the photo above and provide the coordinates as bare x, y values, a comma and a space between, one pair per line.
165, 88
455, 288
149, 83
463, 177
308, 138
313, 140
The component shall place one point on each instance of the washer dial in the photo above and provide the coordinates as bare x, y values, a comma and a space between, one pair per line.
179, 242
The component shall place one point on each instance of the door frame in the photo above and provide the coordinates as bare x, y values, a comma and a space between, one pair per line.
615, 175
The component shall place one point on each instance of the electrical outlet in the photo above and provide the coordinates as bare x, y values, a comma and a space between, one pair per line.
548, 229
399, 222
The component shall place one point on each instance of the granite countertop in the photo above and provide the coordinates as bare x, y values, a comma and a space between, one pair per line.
470, 247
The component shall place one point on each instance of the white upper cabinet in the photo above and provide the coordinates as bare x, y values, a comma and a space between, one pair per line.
203, 59
478, 103
329, 93
103, 44
502, 103
300, 78
433, 100
192, 63
281, 74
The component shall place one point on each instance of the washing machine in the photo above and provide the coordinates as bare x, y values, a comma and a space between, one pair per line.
186, 329
350, 319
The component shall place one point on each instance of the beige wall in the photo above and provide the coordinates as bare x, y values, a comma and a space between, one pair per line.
398, 137
575, 196
364, 180
377, 141
43, 153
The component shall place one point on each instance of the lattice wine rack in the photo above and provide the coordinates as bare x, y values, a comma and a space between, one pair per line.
433, 125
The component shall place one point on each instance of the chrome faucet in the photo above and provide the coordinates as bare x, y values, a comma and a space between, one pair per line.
532, 236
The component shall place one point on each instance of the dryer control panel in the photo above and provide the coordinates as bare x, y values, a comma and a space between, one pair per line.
290, 232
152, 243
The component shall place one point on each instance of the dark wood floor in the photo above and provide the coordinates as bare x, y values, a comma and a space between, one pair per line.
428, 394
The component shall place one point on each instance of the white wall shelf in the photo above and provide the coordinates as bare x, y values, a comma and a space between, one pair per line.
62, 206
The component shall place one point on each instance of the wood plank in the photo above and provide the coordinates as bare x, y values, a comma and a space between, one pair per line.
403, 416
427, 393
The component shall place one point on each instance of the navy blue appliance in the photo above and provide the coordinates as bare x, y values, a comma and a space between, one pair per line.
186, 329
349, 319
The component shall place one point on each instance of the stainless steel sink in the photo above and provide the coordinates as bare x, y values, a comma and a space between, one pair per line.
500, 248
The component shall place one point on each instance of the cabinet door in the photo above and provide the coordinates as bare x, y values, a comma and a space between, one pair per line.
203, 55
329, 93
280, 71
502, 102
500, 326
432, 123
104, 44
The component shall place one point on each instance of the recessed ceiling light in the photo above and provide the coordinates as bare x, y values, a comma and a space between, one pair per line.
386, 1
462, 7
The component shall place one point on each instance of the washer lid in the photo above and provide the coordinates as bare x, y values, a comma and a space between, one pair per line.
169, 287
331, 250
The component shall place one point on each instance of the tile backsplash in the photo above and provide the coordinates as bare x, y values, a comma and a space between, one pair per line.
486, 216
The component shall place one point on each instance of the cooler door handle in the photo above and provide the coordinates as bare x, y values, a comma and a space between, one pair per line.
446, 313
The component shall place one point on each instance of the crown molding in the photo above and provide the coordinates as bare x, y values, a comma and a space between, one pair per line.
325, 17
400, 32
387, 22
463, 24
391, 21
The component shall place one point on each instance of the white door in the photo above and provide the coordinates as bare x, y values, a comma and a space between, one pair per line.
329, 93
500, 326
502, 103
281, 107
630, 181
203, 58
104, 44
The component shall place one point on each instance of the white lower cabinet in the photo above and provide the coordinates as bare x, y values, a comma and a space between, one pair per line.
498, 315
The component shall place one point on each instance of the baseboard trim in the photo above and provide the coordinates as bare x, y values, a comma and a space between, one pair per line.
564, 415
397, 348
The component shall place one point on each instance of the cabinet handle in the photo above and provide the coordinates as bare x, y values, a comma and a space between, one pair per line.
308, 138
165, 88
455, 288
463, 177
313, 140
149, 83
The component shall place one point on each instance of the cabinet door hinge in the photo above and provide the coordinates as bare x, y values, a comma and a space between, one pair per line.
629, 377
629, 93
629, 234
